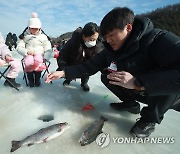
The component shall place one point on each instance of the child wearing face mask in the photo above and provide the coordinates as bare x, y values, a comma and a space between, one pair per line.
15, 64
35, 47
81, 47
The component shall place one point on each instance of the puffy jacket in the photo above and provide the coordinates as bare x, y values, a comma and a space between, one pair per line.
72, 52
38, 43
151, 55
4, 50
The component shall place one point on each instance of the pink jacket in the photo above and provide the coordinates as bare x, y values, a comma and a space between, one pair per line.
15, 63
4, 50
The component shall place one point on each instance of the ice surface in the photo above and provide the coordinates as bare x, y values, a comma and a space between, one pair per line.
20, 113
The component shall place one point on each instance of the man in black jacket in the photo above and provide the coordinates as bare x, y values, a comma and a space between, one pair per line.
139, 64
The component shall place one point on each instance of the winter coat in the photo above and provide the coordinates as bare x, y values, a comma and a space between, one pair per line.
38, 43
151, 55
15, 64
4, 50
75, 52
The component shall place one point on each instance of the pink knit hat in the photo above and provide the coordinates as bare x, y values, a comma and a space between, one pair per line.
34, 21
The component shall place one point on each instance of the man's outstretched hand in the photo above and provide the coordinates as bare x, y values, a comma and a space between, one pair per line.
54, 76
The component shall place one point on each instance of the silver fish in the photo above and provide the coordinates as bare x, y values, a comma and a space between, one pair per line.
92, 132
43, 135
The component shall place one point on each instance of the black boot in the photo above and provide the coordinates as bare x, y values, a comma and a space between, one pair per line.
37, 79
84, 81
30, 76
142, 128
12, 80
66, 82
132, 107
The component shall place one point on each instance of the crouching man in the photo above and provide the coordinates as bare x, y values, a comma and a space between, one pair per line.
139, 64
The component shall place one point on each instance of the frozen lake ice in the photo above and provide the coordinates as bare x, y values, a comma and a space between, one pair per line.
22, 114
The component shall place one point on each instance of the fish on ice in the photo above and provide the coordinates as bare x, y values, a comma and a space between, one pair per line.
43, 135
90, 134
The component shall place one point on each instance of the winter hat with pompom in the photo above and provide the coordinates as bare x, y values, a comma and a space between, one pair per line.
34, 21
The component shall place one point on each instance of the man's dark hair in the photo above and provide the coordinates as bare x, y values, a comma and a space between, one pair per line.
90, 29
117, 18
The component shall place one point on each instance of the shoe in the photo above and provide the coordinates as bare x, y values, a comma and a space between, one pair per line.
126, 106
85, 87
142, 129
12, 80
66, 82
31, 84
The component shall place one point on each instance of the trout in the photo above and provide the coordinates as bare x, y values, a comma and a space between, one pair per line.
90, 134
43, 135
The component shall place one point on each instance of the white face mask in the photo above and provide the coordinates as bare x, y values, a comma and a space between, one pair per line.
90, 44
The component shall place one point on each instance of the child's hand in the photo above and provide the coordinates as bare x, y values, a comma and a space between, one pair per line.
8, 58
30, 53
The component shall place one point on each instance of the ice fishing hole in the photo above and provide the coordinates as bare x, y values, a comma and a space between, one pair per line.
46, 118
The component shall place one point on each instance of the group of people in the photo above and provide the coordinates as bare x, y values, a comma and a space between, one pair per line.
138, 63
35, 47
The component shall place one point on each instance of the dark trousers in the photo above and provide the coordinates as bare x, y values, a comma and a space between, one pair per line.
34, 77
156, 107
84, 79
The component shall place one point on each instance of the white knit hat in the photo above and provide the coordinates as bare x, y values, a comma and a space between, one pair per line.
34, 22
